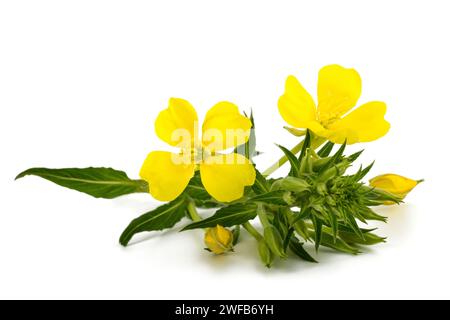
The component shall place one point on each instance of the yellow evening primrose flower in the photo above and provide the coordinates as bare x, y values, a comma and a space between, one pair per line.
395, 184
219, 239
338, 91
224, 176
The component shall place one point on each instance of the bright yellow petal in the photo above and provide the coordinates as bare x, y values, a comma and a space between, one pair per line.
224, 127
338, 90
296, 105
225, 176
167, 174
394, 183
177, 125
364, 124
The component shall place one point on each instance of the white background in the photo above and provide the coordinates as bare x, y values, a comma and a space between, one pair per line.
82, 81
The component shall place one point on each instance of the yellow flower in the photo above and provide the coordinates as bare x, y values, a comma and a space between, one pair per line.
224, 176
219, 239
338, 91
394, 183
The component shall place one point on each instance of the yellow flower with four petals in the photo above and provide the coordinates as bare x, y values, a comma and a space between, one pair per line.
224, 176
338, 91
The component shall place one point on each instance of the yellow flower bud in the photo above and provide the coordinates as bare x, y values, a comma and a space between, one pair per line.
219, 239
394, 183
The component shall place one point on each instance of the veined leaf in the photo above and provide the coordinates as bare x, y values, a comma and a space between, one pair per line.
161, 218
295, 164
97, 182
228, 216
272, 197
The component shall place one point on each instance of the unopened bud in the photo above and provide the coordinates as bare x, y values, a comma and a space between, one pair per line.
219, 239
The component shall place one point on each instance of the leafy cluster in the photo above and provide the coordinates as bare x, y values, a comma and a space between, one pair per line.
317, 202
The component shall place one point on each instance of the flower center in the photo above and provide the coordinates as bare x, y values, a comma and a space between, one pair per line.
199, 154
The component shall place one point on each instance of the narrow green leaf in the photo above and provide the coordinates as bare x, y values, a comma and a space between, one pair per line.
295, 164
248, 149
306, 145
261, 185
351, 158
351, 222
362, 172
297, 248
369, 238
326, 149
227, 217
161, 218
277, 197
197, 192
317, 223
236, 233
334, 159
287, 238
97, 182
339, 245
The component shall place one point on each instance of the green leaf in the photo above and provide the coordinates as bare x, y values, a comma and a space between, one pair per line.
273, 197
228, 216
287, 238
295, 164
97, 182
261, 185
351, 222
334, 159
339, 245
236, 233
317, 223
362, 172
369, 238
306, 145
161, 218
351, 158
248, 149
297, 248
197, 192
326, 149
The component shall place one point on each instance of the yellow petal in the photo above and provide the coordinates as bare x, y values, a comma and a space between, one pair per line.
224, 127
167, 173
225, 176
177, 125
219, 239
364, 124
296, 105
338, 90
394, 183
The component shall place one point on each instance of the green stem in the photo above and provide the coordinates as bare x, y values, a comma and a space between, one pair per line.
193, 211
250, 229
